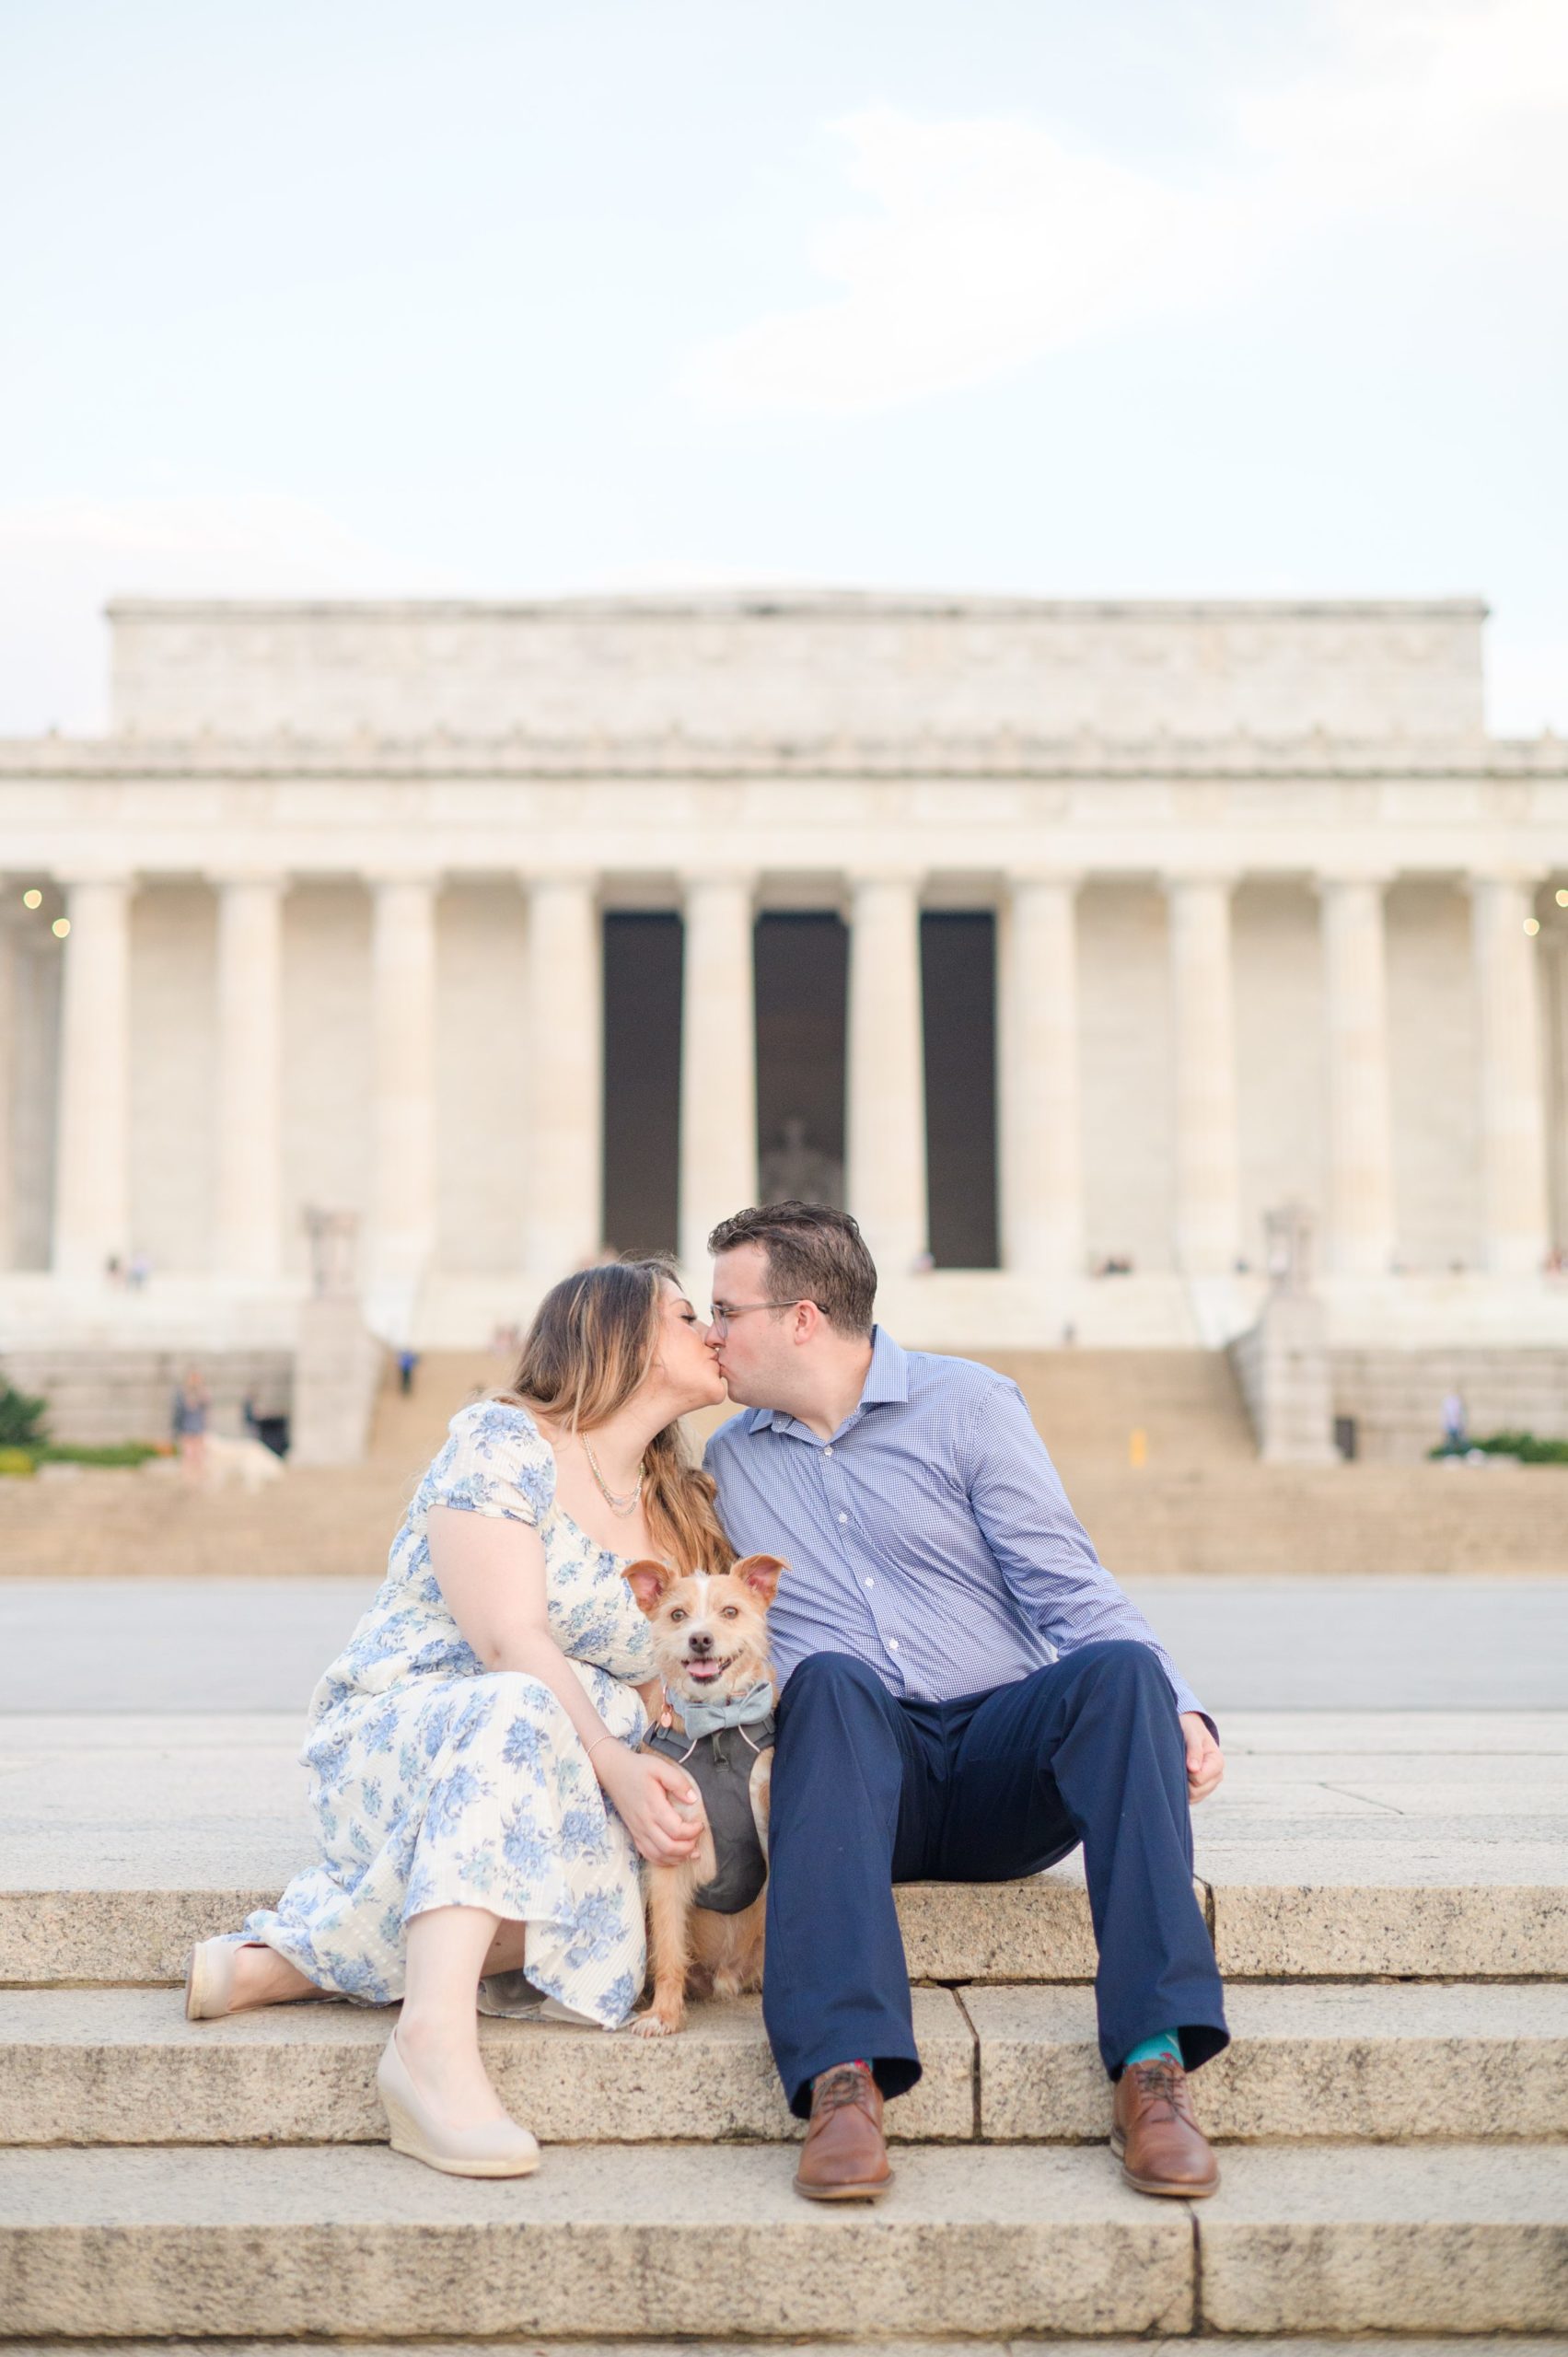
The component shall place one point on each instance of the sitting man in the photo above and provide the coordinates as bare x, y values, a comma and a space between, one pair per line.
967, 1696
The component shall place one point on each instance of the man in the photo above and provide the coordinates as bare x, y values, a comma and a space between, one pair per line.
967, 1695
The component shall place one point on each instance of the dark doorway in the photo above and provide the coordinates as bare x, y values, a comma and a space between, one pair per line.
958, 956
642, 1080
802, 1009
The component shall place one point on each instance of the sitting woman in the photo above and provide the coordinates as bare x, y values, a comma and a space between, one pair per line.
477, 1786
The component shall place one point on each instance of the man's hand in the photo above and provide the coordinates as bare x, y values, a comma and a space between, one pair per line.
1206, 1760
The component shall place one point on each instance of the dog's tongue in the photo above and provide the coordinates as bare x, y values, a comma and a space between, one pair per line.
703, 1670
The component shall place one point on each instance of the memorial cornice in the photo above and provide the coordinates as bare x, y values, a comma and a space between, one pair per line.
375, 762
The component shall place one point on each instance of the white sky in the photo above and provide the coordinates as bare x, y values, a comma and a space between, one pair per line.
1067, 296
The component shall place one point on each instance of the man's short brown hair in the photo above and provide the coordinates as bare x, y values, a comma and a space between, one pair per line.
815, 1253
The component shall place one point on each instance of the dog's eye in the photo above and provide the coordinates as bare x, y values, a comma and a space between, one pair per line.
677, 1616
732, 1612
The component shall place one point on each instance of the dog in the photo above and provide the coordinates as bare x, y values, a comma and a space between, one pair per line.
711, 1652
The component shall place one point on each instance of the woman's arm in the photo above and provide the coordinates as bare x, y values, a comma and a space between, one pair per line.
491, 1573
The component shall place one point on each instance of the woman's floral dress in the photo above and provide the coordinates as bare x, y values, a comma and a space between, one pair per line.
437, 1784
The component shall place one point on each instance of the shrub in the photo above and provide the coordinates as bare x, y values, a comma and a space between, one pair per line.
21, 1418
1526, 1447
123, 1452
16, 1464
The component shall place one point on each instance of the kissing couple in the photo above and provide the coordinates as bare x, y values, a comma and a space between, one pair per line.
965, 1695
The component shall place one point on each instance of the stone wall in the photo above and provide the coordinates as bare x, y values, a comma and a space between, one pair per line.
792, 665
116, 1393
1396, 1397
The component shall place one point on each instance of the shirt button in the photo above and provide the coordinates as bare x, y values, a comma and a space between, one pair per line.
827, 1452
892, 1644
870, 1583
843, 1517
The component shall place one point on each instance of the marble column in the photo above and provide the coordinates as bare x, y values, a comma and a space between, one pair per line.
247, 1161
92, 1166
1359, 1175
1508, 1046
402, 1103
565, 1139
1207, 1208
886, 1127
1041, 1104
718, 1064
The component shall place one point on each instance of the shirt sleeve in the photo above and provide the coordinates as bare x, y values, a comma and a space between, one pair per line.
495, 1461
1042, 1549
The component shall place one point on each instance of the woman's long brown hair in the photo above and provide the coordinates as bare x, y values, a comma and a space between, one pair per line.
593, 1339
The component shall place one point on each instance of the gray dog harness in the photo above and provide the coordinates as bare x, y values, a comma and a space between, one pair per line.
720, 1763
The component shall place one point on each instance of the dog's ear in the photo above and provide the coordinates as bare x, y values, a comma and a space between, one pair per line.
647, 1582
761, 1575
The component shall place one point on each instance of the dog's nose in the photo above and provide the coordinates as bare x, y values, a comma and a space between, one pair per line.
701, 1641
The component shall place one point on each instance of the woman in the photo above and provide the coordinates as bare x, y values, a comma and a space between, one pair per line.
476, 1772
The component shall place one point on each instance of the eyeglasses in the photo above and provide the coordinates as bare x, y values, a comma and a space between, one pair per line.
724, 1314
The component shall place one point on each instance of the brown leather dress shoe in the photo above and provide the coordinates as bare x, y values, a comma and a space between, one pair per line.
843, 2157
1154, 2136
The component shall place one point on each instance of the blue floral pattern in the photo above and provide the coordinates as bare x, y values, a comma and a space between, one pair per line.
437, 1784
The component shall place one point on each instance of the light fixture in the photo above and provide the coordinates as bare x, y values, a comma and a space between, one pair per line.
1560, 897
32, 898
1532, 924
60, 928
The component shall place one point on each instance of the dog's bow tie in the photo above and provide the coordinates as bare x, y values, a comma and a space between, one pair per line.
702, 1718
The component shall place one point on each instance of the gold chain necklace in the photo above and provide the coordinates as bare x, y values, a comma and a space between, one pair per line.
618, 1505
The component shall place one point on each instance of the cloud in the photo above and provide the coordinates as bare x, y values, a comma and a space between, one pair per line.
987, 243
61, 560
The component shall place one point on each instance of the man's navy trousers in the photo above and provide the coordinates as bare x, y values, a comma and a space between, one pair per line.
869, 1791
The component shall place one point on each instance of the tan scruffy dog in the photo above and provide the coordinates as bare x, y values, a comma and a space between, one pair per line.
711, 1650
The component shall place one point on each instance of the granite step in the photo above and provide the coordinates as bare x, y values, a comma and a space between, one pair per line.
1317, 1899
1378, 2062
659, 2240
1243, 2345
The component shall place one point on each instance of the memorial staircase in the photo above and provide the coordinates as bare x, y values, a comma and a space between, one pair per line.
1387, 1897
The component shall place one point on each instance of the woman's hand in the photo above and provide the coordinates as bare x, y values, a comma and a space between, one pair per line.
648, 1791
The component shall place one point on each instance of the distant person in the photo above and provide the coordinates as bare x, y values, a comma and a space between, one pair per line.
407, 1361
1456, 1424
138, 1270
192, 1404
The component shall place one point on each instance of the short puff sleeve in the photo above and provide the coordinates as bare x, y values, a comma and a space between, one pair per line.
495, 1461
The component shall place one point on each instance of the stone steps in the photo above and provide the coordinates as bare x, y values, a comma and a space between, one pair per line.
1388, 1897
1381, 2064
541, 2345
691, 2240
1302, 1901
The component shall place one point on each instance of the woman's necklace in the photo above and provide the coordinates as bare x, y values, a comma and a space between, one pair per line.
619, 1505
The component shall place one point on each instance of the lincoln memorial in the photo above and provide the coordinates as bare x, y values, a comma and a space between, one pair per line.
1061, 941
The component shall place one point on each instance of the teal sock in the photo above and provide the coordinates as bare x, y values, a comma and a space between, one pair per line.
1153, 2048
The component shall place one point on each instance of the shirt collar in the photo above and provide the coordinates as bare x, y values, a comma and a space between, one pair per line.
886, 1379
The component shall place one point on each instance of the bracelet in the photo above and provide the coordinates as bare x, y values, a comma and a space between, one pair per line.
606, 1738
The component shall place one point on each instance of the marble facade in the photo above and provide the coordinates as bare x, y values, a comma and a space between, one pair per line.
1263, 886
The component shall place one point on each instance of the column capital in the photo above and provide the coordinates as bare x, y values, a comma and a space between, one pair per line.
270, 878
382, 878
1353, 871
545, 879
1213, 879
1064, 879
1525, 875
734, 879
903, 877
86, 874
